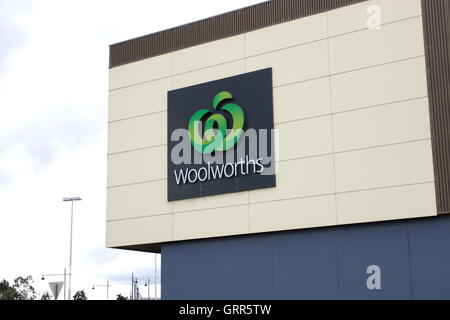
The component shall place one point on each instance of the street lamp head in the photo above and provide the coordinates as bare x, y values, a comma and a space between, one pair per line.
43, 278
72, 199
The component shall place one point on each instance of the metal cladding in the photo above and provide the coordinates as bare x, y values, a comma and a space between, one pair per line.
436, 17
219, 27
436, 22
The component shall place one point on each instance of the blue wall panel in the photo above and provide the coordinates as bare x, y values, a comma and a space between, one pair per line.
384, 245
325, 263
305, 265
430, 258
237, 276
189, 270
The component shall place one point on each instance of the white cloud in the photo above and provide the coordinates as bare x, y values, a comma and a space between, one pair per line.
53, 98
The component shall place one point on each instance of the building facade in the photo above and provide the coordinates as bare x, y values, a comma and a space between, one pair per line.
353, 197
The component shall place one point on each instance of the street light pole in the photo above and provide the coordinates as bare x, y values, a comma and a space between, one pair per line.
102, 285
65, 284
70, 259
71, 233
147, 284
57, 274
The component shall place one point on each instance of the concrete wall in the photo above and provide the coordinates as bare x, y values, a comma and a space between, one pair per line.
352, 111
325, 263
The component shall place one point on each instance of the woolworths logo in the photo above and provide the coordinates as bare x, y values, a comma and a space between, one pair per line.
221, 136
217, 136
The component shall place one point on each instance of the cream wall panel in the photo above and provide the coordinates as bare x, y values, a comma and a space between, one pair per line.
287, 34
305, 138
387, 124
223, 200
294, 64
396, 41
302, 100
137, 133
379, 85
393, 165
387, 204
299, 178
209, 54
137, 166
304, 97
211, 223
139, 231
138, 200
293, 214
139, 99
355, 17
141, 71
209, 74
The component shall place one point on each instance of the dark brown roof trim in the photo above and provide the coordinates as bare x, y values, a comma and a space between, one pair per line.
436, 18
219, 27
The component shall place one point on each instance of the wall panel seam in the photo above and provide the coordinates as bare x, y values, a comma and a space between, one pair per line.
330, 92
291, 159
382, 25
274, 201
381, 105
138, 116
281, 85
138, 149
135, 183
207, 30
137, 84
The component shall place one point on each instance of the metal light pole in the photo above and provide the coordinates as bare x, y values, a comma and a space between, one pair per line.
65, 287
71, 232
57, 274
132, 286
147, 284
107, 285
156, 280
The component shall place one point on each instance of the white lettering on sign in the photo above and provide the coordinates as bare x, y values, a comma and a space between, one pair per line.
213, 172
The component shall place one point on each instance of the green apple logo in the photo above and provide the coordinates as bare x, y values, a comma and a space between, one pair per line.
215, 126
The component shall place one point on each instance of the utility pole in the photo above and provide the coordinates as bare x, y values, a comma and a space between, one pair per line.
132, 286
156, 292
102, 285
71, 233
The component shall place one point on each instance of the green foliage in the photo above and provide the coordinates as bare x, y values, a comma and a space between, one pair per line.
8, 292
25, 288
46, 296
80, 295
121, 297
22, 289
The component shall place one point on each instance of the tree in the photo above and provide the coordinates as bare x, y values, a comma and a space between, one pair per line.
22, 289
121, 297
8, 292
80, 295
46, 296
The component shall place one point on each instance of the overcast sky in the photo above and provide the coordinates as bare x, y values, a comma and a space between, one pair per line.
53, 124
